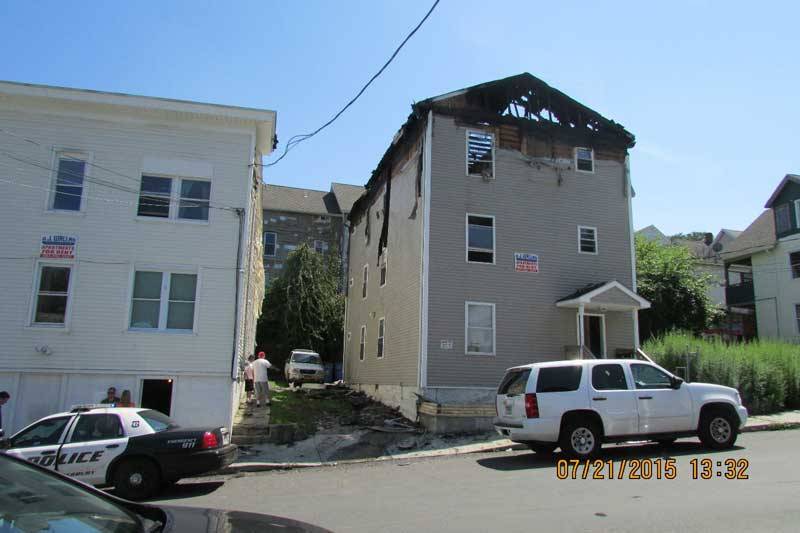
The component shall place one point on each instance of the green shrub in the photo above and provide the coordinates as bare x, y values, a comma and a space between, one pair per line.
766, 373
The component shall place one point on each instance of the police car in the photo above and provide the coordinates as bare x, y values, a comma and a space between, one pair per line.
136, 450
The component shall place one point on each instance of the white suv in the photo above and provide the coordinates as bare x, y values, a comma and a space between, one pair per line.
304, 366
577, 405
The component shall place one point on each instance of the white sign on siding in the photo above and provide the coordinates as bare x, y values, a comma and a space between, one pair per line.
526, 262
58, 247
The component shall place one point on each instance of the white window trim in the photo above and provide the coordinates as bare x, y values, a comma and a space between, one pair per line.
797, 213
381, 320
174, 200
88, 158
603, 355
575, 159
365, 282
466, 240
596, 241
466, 150
37, 277
385, 268
163, 312
466, 328
275, 246
362, 353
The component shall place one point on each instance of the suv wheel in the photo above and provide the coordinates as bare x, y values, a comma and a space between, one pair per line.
137, 479
580, 437
542, 449
718, 429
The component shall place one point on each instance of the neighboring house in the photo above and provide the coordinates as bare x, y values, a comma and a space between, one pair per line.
763, 267
131, 250
495, 231
708, 261
293, 216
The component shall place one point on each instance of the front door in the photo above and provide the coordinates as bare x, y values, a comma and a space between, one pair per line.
594, 334
613, 398
91, 446
662, 409
39, 443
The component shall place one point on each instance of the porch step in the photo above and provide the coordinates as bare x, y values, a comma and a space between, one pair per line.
251, 424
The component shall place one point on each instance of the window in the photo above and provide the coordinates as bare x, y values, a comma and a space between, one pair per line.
608, 377
650, 377
514, 382
797, 213
480, 328
97, 427
320, 247
794, 263
270, 243
163, 300
783, 219
584, 159
52, 295
381, 331
362, 348
45, 433
559, 378
70, 173
156, 198
480, 239
364, 280
797, 316
157, 420
384, 262
587, 240
480, 154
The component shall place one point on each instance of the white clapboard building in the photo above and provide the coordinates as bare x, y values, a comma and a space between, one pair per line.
130, 250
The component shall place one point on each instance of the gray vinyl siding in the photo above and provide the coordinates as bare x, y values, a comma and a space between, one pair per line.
613, 296
399, 300
533, 214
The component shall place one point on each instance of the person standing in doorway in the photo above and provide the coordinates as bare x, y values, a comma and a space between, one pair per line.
126, 401
4, 397
111, 396
248, 379
261, 378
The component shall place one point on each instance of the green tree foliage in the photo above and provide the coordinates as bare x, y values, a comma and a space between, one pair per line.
666, 277
303, 308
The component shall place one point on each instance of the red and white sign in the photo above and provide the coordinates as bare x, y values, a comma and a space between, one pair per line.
58, 247
526, 262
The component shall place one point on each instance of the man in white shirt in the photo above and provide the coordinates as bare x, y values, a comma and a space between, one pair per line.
261, 379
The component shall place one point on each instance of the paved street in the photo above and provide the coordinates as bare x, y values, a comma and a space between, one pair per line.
515, 491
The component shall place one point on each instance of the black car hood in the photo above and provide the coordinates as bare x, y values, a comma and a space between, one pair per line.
189, 519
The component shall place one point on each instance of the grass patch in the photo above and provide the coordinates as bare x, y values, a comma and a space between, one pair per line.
288, 407
766, 372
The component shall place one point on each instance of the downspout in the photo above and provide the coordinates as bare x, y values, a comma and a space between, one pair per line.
238, 277
345, 288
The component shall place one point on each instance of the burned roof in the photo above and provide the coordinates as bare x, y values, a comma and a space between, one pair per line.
295, 200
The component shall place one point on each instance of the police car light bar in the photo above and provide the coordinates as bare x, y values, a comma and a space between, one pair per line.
89, 406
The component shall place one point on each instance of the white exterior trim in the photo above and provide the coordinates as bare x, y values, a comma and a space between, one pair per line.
629, 194
75, 153
426, 238
582, 333
466, 153
575, 159
362, 341
596, 240
381, 320
365, 281
587, 298
466, 239
466, 328
73, 266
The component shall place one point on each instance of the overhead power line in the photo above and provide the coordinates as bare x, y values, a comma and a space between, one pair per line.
297, 139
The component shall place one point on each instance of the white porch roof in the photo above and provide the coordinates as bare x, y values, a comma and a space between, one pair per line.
604, 296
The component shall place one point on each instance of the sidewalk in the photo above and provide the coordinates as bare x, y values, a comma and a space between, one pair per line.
778, 421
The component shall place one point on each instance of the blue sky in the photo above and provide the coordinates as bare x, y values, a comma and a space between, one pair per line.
710, 89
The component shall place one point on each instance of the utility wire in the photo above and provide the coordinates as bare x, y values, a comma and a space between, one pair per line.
297, 139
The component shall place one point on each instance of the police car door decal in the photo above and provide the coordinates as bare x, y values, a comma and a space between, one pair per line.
91, 446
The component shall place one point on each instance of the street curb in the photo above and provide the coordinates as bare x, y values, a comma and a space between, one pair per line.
237, 468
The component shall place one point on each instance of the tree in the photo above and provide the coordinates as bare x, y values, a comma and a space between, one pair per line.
666, 277
303, 308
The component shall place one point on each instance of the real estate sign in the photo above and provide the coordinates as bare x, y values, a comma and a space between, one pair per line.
58, 247
526, 262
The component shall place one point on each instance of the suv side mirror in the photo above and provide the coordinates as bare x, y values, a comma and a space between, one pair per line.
676, 382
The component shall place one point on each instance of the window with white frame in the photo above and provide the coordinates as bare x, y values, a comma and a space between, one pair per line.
480, 153
794, 264
479, 325
163, 300
381, 331
480, 238
384, 267
270, 243
587, 240
52, 294
362, 348
783, 218
364, 280
797, 316
797, 213
175, 198
584, 159
69, 181
320, 247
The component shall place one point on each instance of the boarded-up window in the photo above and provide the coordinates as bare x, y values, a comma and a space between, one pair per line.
480, 154
587, 240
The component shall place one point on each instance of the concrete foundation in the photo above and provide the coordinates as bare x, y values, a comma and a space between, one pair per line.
400, 397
